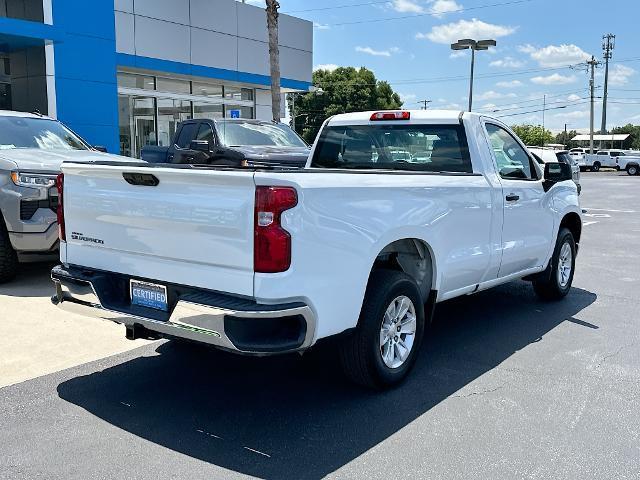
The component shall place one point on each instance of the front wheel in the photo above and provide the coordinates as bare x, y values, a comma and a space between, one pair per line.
596, 167
384, 347
8, 256
632, 170
557, 281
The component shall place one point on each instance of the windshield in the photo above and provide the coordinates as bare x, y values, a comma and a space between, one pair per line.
247, 133
427, 148
42, 133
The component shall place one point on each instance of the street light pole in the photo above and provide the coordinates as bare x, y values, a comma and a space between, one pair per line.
473, 45
473, 62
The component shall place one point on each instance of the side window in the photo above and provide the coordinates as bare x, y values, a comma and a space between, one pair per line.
187, 133
205, 133
513, 161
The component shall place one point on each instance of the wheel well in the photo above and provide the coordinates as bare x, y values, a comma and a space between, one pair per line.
411, 256
573, 222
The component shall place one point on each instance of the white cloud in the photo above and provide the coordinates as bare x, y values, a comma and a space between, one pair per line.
489, 106
507, 62
439, 8
574, 115
458, 54
452, 32
407, 6
556, 55
510, 84
407, 97
574, 98
321, 26
493, 95
257, 3
528, 48
326, 66
378, 53
619, 75
555, 79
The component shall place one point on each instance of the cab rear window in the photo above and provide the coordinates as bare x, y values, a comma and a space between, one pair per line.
422, 148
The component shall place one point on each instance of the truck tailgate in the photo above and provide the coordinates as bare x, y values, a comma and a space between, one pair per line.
195, 227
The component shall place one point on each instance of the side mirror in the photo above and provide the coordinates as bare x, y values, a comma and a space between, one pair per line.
100, 148
555, 172
200, 146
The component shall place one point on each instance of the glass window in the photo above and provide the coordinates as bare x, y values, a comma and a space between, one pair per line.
173, 85
207, 90
512, 160
207, 110
237, 93
137, 122
131, 80
125, 124
41, 133
238, 111
170, 114
5, 96
187, 133
427, 148
258, 133
205, 133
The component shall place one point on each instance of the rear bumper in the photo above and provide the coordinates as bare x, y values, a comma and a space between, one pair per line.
223, 321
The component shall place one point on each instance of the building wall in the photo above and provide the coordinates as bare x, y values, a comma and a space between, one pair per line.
85, 69
221, 39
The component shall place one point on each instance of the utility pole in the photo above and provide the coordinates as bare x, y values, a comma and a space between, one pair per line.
274, 57
608, 44
544, 108
593, 63
473, 45
425, 102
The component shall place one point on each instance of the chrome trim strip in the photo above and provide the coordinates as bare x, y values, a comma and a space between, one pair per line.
193, 321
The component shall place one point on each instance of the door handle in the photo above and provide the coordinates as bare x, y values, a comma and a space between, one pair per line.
512, 197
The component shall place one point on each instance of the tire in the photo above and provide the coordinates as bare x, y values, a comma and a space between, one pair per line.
633, 170
554, 286
8, 256
361, 351
596, 167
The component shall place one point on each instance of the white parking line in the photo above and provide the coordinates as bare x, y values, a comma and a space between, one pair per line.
609, 210
585, 224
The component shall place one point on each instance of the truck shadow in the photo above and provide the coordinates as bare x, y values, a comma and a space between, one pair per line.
288, 417
33, 280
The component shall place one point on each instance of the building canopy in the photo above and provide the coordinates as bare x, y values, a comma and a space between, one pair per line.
599, 137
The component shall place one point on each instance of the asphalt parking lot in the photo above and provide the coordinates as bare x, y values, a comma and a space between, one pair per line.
506, 386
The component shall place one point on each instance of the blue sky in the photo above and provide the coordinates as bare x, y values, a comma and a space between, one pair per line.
537, 41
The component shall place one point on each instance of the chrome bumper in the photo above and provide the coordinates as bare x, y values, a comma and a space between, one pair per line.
189, 320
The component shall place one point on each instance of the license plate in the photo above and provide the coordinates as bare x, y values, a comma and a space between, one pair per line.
148, 295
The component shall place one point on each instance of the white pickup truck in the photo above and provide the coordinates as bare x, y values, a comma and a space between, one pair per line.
395, 211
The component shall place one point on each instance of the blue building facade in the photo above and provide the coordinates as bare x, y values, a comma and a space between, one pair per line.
122, 74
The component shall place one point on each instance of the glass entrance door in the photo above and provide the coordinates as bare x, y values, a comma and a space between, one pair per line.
170, 113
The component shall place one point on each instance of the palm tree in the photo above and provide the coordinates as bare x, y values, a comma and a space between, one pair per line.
274, 57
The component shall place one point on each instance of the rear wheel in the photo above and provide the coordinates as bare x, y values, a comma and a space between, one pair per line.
384, 347
596, 166
632, 170
8, 256
557, 281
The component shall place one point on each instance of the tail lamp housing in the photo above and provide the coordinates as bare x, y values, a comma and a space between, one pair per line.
60, 210
272, 243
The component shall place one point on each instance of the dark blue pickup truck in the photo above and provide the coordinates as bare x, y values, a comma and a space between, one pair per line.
232, 142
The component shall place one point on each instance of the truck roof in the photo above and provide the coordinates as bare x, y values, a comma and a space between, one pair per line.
426, 116
13, 113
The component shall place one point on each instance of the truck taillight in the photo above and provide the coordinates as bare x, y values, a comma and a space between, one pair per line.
60, 210
272, 243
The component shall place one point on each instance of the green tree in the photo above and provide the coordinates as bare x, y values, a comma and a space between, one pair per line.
343, 90
534, 135
565, 139
634, 135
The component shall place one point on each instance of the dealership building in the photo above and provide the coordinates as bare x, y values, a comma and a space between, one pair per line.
123, 73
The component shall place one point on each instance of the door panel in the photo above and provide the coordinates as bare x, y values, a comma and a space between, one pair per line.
528, 217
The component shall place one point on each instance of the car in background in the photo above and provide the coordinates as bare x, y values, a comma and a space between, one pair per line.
232, 142
549, 155
578, 154
604, 158
32, 149
628, 161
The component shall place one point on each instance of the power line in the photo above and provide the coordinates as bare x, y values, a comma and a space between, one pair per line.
431, 13
336, 7
540, 110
